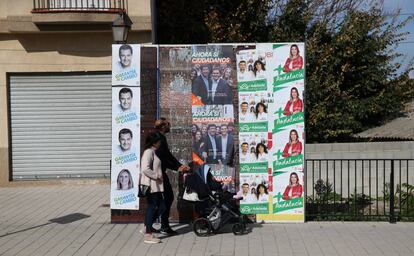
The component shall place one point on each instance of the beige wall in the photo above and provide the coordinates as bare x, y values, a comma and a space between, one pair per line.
16, 16
50, 53
3, 9
27, 47
139, 8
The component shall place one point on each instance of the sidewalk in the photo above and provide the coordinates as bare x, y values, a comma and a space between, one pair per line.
31, 223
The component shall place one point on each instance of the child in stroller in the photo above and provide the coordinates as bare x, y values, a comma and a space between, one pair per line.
214, 206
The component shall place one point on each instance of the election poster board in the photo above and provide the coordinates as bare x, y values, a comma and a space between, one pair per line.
228, 101
213, 90
126, 130
271, 131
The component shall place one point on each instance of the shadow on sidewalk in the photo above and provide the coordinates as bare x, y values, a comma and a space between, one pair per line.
60, 220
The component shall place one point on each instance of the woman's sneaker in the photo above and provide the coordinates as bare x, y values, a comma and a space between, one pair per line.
153, 230
150, 239
168, 231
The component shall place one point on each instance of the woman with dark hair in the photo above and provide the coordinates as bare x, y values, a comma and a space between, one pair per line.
124, 180
194, 129
262, 194
259, 69
295, 104
261, 152
250, 68
261, 112
294, 61
253, 192
253, 150
151, 175
252, 110
294, 189
198, 143
294, 146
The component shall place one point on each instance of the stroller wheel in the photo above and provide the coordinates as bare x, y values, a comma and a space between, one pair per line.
238, 229
202, 227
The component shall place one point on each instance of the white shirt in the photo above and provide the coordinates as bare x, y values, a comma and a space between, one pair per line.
290, 192
118, 151
290, 150
224, 146
262, 157
249, 198
246, 158
205, 81
263, 198
213, 143
119, 110
245, 117
120, 69
262, 116
245, 76
260, 74
214, 88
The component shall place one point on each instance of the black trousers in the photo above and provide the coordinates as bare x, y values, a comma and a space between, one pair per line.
168, 195
155, 206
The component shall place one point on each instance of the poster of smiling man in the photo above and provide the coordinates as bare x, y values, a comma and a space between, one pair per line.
126, 64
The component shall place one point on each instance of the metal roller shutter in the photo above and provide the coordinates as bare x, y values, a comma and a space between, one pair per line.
60, 125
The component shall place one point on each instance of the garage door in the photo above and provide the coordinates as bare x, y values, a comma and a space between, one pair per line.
60, 125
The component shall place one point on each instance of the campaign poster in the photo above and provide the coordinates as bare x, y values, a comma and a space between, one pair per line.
124, 186
125, 147
126, 105
288, 194
254, 192
126, 64
126, 130
254, 140
273, 75
212, 92
288, 129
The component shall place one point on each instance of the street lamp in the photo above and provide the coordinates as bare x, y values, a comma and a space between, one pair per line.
120, 28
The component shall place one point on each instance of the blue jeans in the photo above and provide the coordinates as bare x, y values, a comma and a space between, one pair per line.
155, 207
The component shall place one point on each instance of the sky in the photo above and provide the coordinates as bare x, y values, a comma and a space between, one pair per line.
407, 8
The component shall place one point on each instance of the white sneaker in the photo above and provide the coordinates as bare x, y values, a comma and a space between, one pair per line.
150, 239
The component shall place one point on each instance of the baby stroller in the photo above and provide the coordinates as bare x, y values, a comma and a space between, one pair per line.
215, 207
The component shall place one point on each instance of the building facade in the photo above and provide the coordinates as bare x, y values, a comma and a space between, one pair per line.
55, 90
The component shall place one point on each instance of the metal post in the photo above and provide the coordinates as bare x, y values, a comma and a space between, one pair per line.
392, 206
154, 18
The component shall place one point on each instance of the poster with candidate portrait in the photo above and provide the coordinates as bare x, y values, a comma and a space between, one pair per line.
125, 147
254, 140
254, 192
273, 75
126, 105
126, 64
126, 130
124, 186
212, 92
288, 130
288, 194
